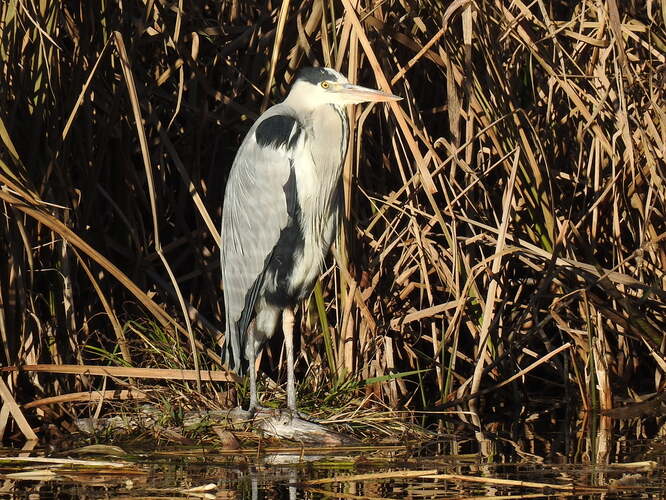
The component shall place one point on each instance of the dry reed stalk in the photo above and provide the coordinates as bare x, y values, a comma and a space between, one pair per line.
89, 397
121, 371
513, 482
9, 407
66, 461
371, 476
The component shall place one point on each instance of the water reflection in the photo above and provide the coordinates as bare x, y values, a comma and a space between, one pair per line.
597, 458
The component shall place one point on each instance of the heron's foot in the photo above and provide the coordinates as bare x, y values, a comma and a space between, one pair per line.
257, 409
303, 416
283, 413
239, 413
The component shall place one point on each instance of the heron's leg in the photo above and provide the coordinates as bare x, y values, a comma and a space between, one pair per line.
288, 329
251, 357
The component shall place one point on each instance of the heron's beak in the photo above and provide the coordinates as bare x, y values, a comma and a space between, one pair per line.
354, 94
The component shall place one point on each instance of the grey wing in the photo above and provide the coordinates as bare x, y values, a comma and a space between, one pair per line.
256, 209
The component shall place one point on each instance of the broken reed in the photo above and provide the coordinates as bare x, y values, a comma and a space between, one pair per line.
512, 203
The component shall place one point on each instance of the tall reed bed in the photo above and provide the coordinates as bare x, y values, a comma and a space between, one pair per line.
503, 225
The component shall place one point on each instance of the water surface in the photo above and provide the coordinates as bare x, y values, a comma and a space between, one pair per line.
604, 459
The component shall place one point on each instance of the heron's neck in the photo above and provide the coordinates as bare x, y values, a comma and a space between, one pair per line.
327, 132
330, 128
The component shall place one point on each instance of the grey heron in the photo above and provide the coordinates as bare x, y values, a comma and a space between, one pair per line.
280, 214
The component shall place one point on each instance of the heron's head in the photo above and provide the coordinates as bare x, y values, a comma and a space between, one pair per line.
315, 87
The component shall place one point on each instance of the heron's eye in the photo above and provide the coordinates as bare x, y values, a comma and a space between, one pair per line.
324, 85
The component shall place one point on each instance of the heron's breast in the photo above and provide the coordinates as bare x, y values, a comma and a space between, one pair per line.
317, 166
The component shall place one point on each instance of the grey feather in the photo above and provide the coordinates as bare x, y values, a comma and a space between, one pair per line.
255, 212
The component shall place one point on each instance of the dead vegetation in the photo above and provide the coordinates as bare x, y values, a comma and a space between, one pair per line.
511, 206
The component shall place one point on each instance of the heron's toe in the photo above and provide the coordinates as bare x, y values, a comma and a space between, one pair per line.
263, 411
304, 416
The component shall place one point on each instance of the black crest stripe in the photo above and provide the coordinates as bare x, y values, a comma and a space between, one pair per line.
315, 75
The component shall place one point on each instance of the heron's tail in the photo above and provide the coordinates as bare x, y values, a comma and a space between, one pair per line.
232, 358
